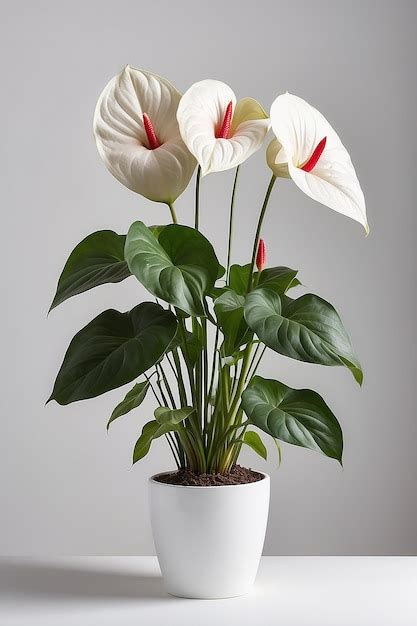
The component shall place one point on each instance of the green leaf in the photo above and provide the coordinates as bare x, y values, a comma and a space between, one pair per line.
98, 259
297, 416
279, 451
165, 415
239, 278
216, 292
180, 268
191, 348
294, 283
278, 279
152, 430
221, 271
229, 312
132, 400
254, 441
307, 329
112, 350
157, 229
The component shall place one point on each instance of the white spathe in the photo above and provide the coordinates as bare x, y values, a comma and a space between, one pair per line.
160, 174
200, 115
332, 181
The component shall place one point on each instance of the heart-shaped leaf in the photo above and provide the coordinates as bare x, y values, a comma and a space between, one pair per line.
112, 350
132, 400
297, 416
239, 278
98, 259
253, 440
229, 313
180, 268
165, 415
278, 279
307, 329
152, 430
221, 272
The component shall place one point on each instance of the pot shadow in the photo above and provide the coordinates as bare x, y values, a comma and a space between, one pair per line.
37, 580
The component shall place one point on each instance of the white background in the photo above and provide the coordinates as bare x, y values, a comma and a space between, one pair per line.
65, 485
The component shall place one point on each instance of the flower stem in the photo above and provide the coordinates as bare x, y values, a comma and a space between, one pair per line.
259, 227
205, 373
167, 386
173, 213
197, 199
181, 385
254, 365
148, 378
232, 204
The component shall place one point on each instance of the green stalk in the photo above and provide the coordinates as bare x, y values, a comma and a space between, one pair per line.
193, 423
220, 421
236, 376
186, 356
213, 426
197, 198
232, 204
189, 449
223, 439
161, 391
213, 366
173, 213
167, 387
198, 373
241, 384
174, 449
148, 378
252, 373
259, 227
205, 372
181, 385
225, 388
174, 371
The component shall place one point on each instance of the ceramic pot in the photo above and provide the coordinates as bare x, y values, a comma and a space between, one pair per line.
209, 540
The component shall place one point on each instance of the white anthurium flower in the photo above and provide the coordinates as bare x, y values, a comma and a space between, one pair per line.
308, 150
138, 138
220, 132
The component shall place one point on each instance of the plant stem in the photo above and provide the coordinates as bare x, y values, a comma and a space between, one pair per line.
174, 449
190, 450
174, 371
181, 386
161, 391
173, 214
213, 366
259, 227
148, 378
241, 384
253, 372
197, 198
232, 204
186, 355
205, 372
196, 328
167, 387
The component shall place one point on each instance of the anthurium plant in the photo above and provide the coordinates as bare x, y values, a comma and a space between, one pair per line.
196, 345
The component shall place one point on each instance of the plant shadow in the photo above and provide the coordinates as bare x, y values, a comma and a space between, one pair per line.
42, 581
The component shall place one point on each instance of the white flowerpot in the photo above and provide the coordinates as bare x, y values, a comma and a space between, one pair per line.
209, 539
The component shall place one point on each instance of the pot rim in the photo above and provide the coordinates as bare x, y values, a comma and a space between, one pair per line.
152, 480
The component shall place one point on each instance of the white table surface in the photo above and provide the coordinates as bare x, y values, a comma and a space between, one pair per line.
127, 591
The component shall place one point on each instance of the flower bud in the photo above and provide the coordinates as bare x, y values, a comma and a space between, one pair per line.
261, 255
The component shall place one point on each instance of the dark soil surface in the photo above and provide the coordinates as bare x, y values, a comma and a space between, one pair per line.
238, 475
